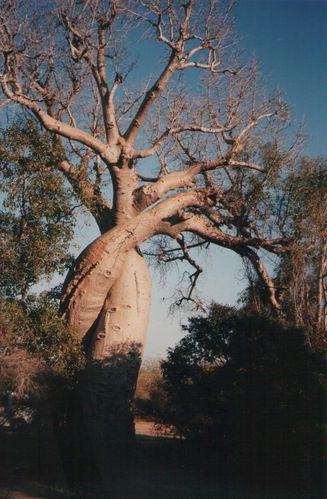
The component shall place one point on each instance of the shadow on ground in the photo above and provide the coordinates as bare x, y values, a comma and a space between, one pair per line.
154, 468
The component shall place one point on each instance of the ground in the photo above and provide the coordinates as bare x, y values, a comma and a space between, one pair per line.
156, 468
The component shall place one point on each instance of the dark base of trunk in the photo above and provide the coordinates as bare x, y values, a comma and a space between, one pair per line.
99, 424
107, 392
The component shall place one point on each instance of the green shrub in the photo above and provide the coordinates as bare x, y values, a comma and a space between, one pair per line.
39, 362
249, 385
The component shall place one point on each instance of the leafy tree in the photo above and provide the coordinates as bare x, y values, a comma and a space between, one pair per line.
37, 223
39, 361
250, 385
301, 277
149, 390
184, 157
36, 211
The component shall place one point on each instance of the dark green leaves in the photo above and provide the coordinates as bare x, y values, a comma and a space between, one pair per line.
36, 209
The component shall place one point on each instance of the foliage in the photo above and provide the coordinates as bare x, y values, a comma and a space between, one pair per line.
36, 213
149, 375
52, 339
39, 359
37, 350
18, 366
307, 199
302, 274
248, 384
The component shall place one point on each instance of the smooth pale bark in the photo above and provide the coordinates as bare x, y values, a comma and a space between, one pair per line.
125, 313
108, 296
115, 354
95, 272
100, 264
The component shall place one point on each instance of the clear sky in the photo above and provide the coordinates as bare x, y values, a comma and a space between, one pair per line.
289, 40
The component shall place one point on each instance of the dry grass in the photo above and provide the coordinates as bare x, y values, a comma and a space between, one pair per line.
21, 372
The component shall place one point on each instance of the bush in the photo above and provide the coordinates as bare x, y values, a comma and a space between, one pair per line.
249, 385
39, 362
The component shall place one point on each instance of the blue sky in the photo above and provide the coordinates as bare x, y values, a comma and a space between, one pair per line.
289, 40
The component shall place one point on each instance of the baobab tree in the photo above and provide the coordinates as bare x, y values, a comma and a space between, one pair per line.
183, 153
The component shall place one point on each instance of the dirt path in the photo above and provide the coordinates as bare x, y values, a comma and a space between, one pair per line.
149, 429
145, 428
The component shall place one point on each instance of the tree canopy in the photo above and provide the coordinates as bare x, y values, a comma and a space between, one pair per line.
213, 140
36, 230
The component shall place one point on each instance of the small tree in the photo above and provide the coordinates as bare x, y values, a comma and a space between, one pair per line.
148, 389
39, 362
36, 210
302, 275
249, 385
36, 222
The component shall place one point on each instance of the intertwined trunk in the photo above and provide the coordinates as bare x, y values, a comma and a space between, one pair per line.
107, 295
194, 143
114, 344
115, 350
106, 299
124, 316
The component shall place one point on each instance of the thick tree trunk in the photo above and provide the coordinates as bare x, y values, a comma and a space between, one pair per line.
124, 316
106, 300
115, 353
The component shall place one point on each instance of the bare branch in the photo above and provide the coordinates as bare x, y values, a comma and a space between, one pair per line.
150, 97
150, 193
59, 127
252, 124
264, 276
95, 57
197, 224
175, 131
192, 277
244, 164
